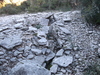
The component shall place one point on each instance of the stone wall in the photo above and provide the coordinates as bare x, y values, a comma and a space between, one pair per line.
65, 47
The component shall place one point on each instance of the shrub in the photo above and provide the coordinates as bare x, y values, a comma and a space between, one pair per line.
91, 11
13, 9
24, 6
9, 9
34, 9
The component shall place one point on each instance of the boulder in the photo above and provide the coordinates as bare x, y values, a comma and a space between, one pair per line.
29, 67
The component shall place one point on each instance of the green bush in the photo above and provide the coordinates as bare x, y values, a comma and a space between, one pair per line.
13, 9
9, 9
93, 69
91, 11
37, 6
24, 6
56, 4
35, 9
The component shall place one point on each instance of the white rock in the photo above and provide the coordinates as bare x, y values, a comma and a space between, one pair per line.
42, 41
40, 59
67, 46
44, 22
67, 52
67, 74
45, 29
65, 30
99, 45
3, 28
60, 42
54, 68
99, 50
30, 56
13, 59
60, 74
90, 32
1, 53
63, 61
29, 67
32, 29
44, 51
16, 53
41, 34
60, 52
18, 25
68, 19
48, 51
76, 12
77, 56
11, 41
50, 56
60, 24
76, 48
63, 70
20, 20
36, 51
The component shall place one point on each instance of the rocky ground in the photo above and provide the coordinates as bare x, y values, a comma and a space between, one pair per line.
46, 44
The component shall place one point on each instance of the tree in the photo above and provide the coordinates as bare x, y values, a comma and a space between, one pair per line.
91, 11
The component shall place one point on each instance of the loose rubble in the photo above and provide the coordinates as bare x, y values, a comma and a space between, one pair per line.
58, 41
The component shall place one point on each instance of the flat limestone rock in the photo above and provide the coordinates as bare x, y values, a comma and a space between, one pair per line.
63, 61
36, 51
60, 52
29, 67
44, 22
11, 41
54, 68
50, 56
65, 30
42, 41
18, 25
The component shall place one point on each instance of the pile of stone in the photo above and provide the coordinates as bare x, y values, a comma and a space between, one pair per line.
60, 42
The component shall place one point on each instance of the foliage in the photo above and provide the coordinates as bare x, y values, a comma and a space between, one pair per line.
91, 11
9, 9
93, 69
38, 5
24, 6
13, 9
